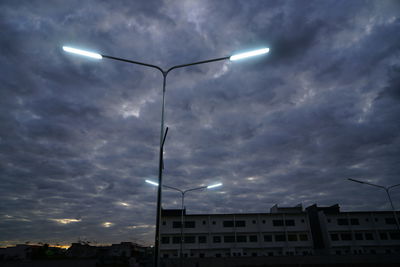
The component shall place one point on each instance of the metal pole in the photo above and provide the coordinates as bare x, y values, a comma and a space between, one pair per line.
394, 211
160, 169
182, 225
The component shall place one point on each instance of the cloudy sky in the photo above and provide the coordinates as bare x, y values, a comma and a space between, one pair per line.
79, 136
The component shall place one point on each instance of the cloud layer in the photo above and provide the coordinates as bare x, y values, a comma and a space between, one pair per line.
78, 137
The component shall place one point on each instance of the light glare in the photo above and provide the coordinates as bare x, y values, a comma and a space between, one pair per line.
250, 54
214, 185
82, 52
151, 182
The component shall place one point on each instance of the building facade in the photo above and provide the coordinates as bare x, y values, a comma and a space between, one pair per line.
284, 231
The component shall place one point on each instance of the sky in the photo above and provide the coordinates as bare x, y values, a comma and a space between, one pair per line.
79, 136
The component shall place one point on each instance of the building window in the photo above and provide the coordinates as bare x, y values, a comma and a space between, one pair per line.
280, 238
216, 239
302, 220
190, 239
229, 239
369, 236
383, 236
202, 239
176, 240
254, 221
165, 256
213, 222
358, 236
277, 222
329, 220
165, 240
289, 222
334, 237
263, 221
253, 238
241, 239
254, 254
240, 223
345, 236
342, 221
354, 221
204, 222
270, 254
164, 223
190, 224
267, 238
228, 223
366, 219
176, 224
303, 237
394, 236
218, 255
390, 221
292, 237
201, 255
376, 219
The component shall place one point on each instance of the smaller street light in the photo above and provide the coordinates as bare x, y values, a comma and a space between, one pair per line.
249, 54
388, 194
82, 52
183, 192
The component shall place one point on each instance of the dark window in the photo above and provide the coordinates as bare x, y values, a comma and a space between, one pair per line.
201, 255
372, 251
240, 223
216, 239
229, 239
277, 222
270, 254
369, 236
190, 224
302, 220
383, 236
254, 254
376, 219
218, 255
190, 239
204, 222
292, 237
280, 238
165, 256
164, 223
342, 222
303, 237
289, 222
202, 239
176, 224
329, 220
241, 239
338, 252
253, 238
228, 223
254, 221
395, 236
165, 240
267, 238
345, 236
334, 237
354, 221
366, 219
213, 222
390, 221
176, 240
263, 221
359, 236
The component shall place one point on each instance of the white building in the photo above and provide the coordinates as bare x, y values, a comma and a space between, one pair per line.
284, 231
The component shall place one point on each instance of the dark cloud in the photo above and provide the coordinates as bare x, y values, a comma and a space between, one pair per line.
78, 137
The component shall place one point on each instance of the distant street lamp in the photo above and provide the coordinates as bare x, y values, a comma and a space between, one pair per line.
387, 192
183, 192
163, 133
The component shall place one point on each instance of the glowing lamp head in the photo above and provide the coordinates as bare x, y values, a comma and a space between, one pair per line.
249, 54
151, 182
82, 52
214, 185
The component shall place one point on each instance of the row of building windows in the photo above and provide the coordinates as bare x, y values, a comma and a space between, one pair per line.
235, 239
364, 236
355, 221
231, 223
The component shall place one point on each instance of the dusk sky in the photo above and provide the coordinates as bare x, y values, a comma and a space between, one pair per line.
79, 136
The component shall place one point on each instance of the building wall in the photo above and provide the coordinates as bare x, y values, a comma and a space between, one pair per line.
283, 231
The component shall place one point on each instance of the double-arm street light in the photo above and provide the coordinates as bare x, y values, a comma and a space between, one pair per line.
164, 73
388, 195
183, 192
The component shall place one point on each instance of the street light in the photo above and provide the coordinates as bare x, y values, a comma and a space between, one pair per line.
387, 192
163, 133
183, 192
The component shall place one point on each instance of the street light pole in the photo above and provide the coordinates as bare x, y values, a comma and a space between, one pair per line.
162, 135
388, 195
183, 192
